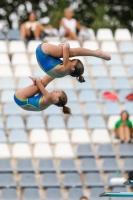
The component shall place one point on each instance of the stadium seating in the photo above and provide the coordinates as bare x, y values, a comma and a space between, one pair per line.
49, 156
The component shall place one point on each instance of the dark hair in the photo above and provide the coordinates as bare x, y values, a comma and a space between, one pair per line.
79, 70
126, 113
83, 197
130, 175
62, 102
33, 11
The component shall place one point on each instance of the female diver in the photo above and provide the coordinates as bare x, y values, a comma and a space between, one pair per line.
36, 98
48, 57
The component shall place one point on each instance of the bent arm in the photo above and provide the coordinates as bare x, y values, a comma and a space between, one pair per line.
46, 80
42, 89
66, 48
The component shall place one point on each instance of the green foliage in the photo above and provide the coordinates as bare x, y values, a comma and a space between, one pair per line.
91, 13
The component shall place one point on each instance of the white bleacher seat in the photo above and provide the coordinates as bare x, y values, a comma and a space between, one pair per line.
112, 120
4, 59
109, 46
33, 60
99, 71
93, 45
122, 34
51, 85
117, 71
91, 33
7, 83
4, 151
80, 136
63, 150
38, 72
59, 135
17, 47
7, 72
64, 83
3, 47
32, 45
101, 136
21, 151
74, 43
38, 136
42, 150
131, 118
24, 82
115, 140
22, 71
7, 95
19, 59
104, 34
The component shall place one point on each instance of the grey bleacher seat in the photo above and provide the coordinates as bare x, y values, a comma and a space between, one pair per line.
109, 165
7, 83
5, 166
46, 165
50, 180
103, 83
38, 72
18, 136
87, 96
52, 110
67, 165
109, 177
92, 109
24, 165
98, 71
128, 59
35, 122
115, 60
84, 150
28, 180
71, 180
126, 47
15, 122
125, 150
85, 85
122, 83
105, 150
9, 194
130, 74
123, 94
27, 113
119, 189
3, 138
55, 121
129, 107
2, 36
76, 122
117, 71
111, 108
11, 108
75, 193
93, 180
128, 165
13, 34
96, 122
74, 106
7, 180
72, 96
23, 82
88, 165
31, 194
7, 96
93, 61
94, 193
53, 194
1, 123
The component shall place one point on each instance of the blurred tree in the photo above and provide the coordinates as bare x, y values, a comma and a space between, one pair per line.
91, 13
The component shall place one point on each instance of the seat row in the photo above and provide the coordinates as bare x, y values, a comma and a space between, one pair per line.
87, 165
50, 180
102, 34
62, 150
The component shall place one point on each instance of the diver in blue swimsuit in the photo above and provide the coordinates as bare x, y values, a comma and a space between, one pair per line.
48, 57
36, 98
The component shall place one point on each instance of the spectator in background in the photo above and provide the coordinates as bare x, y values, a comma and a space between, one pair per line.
32, 29
83, 198
69, 25
123, 128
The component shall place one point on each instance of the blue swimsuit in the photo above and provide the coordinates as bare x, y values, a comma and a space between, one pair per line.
45, 61
31, 101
